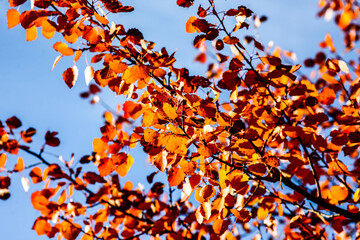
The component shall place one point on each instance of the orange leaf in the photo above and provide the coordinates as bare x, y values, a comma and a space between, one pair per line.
150, 135
230, 40
132, 109
48, 30
327, 96
262, 213
36, 175
31, 33
2, 160
149, 118
63, 49
62, 197
205, 151
19, 165
174, 143
136, 72
101, 19
189, 27
105, 167
207, 192
220, 226
13, 18
175, 176
158, 72
339, 193
118, 66
70, 230
170, 111
123, 163
100, 146
41, 226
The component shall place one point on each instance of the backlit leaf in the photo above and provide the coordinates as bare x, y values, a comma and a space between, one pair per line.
175, 176
189, 27
262, 213
36, 175
13, 18
327, 96
41, 226
99, 145
70, 76
3, 159
31, 33
19, 165
101, 19
170, 111
89, 75
339, 193
15, 3
25, 184
63, 49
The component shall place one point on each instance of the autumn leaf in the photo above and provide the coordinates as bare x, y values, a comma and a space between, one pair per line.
327, 96
31, 33
122, 162
70, 76
339, 193
105, 167
36, 175
41, 226
101, 19
15, 3
19, 165
170, 111
13, 18
189, 27
3, 159
175, 176
63, 49
89, 74
99, 145
132, 109
262, 213
51, 140
174, 143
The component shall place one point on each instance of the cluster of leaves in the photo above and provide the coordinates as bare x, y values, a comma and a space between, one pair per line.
261, 145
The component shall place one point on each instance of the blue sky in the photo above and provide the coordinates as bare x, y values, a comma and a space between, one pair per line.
41, 100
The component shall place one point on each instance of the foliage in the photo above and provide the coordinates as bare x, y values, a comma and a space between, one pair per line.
252, 143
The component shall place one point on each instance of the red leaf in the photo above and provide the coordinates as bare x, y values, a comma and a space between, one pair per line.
185, 3
51, 140
15, 3
70, 76
13, 122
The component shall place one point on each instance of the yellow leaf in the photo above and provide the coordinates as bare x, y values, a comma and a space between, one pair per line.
262, 213
31, 33
63, 49
339, 193
356, 196
101, 19
174, 143
170, 111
